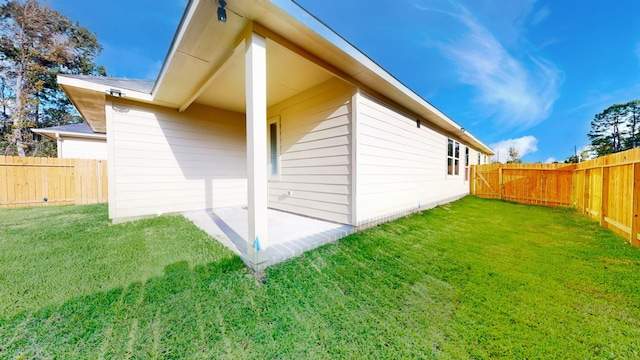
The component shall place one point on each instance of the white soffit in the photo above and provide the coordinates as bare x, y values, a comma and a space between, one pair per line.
201, 45
288, 75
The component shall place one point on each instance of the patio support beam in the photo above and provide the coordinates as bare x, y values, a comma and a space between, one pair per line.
257, 182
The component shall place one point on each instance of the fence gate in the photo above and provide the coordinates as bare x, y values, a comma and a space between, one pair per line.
485, 181
524, 183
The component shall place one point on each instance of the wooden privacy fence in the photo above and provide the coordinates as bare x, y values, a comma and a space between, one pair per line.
606, 188
538, 184
31, 181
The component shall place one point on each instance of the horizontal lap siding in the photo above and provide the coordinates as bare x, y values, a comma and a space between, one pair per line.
315, 154
400, 166
166, 161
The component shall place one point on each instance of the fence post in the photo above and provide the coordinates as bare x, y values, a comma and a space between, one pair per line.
635, 205
542, 198
471, 180
475, 180
500, 182
604, 196
575, 175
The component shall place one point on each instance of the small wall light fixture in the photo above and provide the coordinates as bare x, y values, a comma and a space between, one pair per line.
462, 129
222, 13
115, 92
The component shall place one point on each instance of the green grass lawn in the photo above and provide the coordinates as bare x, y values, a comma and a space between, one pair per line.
473, 279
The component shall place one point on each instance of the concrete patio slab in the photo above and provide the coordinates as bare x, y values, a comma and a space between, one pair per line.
289, 234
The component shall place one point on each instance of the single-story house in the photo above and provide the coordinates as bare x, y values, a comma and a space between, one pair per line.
258, 103
76, 141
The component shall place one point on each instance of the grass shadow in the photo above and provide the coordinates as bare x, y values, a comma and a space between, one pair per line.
161, 317
479, 279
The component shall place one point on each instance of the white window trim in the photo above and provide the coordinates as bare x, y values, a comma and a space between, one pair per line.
467, 163
453, 158
276, 176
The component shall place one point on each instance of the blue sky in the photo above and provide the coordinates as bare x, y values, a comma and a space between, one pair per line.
526, 72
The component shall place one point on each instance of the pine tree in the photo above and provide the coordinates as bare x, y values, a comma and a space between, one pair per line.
616, 129
605, 134
36, 44
633, 122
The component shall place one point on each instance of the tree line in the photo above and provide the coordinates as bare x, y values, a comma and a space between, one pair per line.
616, 129
37, 44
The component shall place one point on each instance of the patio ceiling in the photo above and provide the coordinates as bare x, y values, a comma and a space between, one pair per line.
210, 70
287, 75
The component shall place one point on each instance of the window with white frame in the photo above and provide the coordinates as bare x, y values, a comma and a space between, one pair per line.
453, 157
466, 163
274, 147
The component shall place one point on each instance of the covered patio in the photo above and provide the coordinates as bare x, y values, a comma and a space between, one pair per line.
289, 234
261, 115
236, 69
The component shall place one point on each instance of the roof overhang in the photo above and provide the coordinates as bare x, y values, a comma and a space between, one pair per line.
205, 64
53, 134
90, 97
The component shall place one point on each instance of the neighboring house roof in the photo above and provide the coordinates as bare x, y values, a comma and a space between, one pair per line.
205, 65
81, 130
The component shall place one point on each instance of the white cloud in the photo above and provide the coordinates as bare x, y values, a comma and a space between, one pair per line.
540, 15
519, 93
550, 160
525, 145
586, 153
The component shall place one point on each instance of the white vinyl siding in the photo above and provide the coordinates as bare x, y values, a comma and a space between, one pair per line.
401, 167
164, 161
76, 148
315, 153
